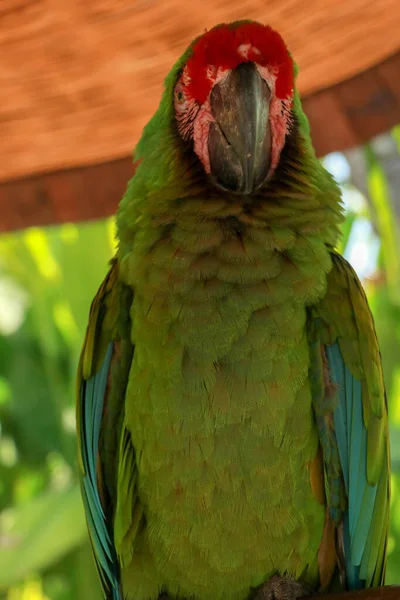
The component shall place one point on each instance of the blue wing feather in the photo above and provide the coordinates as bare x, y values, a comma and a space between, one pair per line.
351, 438
92, 401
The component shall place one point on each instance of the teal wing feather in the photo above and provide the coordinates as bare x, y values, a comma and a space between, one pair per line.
92, 399
351, 414
101, 351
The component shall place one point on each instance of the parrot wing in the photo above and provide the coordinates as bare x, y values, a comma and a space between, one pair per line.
351, 412
105, 361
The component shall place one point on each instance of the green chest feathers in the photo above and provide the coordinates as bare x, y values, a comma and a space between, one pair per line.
219, 406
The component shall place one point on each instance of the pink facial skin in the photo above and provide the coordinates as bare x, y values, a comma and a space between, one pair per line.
194, 120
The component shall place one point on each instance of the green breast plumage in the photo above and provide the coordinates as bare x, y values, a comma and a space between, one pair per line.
219, 403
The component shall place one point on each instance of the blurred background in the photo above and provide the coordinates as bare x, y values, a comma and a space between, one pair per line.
79, 80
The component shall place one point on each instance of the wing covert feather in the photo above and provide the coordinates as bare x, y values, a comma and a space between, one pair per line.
354, 410
102, 378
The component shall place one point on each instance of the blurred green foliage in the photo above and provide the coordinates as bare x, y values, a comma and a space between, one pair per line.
48, 278
47, 281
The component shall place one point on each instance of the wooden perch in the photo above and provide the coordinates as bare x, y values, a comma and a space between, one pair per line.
381, 593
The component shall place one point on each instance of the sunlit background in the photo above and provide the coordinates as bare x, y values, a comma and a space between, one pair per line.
48, 278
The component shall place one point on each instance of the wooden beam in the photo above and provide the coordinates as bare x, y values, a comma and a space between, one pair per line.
80, 79
352, 112
345, 115
73, 195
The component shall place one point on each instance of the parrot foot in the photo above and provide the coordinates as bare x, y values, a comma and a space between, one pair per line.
281, 588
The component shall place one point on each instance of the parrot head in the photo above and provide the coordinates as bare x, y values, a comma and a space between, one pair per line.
233, 102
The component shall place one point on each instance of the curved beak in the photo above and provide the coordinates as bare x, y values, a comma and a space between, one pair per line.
239, 141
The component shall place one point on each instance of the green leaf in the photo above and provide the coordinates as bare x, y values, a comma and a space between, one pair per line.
395, 448
346, 228
36, 535
38, 399
386, 221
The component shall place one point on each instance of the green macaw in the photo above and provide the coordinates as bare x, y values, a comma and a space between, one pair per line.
232, 420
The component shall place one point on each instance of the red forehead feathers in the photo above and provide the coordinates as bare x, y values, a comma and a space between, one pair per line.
219, 48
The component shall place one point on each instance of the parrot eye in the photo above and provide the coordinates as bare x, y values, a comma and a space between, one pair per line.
180, 97
185, 111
